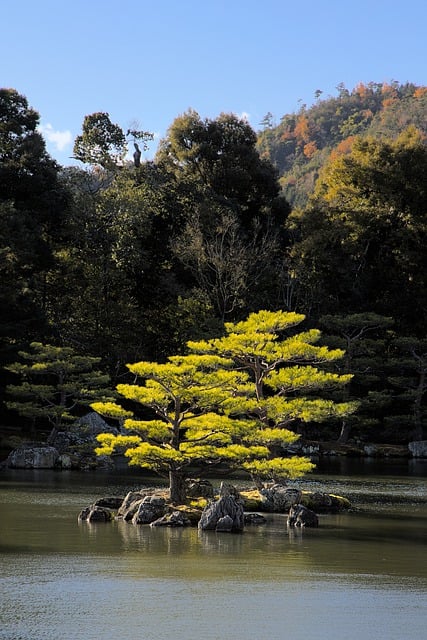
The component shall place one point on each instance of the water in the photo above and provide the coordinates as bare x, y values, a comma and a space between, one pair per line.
360, 575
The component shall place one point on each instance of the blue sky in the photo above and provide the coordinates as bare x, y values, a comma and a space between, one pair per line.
147, 61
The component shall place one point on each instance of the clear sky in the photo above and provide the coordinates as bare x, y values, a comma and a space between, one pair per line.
147, 61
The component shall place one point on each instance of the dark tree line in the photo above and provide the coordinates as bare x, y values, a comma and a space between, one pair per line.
126, 263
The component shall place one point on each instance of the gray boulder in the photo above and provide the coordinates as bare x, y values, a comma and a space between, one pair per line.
254, 518
64, 461
92, 424
33, 457
82, 432
150, 509
130, 504
226, 514
300, 516
109, 502
95, 514
418, 448
225, 524
199, 489
279, 499
174, 519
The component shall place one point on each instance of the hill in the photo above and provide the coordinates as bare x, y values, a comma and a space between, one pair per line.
302, 142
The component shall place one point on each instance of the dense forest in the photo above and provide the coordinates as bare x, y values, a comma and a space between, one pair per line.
120, 260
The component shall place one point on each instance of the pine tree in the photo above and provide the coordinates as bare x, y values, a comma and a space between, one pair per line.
54, 382
230, 404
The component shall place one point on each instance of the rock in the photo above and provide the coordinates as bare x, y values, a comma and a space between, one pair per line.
228, 490
300, 516
113, 502
95, 514
418, 448
64, 461
174, 519
324, 502
370, 450
92, 424
151, 508
199, 489
227, 505
373, 450
99, 514
106, 463
79, 441
225, 524
130, 504
279, 498
254, 518
83, 515
33, 457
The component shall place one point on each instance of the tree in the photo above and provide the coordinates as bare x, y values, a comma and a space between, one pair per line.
33, 205
409, 382
283, 369
361, 242
363, 338
221, 155
89, 295
54, 382
104, 143
228, 265
185, 430
233, 236
212, 406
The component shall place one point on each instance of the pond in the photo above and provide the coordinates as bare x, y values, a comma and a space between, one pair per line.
361, 574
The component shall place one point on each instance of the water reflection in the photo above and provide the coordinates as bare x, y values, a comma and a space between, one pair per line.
359, 575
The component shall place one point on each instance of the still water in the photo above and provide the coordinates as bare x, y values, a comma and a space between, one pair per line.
360, 575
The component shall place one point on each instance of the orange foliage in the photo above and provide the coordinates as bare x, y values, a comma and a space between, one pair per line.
343, 148
361, 90
310, 149
388, 102
301, 131
420, 92
389, 90
287, 135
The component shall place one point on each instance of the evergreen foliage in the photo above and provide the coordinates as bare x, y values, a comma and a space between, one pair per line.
230, 402
54, 382
127, 261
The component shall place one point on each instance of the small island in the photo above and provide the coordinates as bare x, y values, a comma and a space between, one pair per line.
229, 511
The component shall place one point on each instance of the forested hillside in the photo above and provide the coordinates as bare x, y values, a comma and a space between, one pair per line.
302, 142
120, 260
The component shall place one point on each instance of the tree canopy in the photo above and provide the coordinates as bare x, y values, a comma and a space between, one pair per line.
229, 402
359, 240
54, 381
126, 261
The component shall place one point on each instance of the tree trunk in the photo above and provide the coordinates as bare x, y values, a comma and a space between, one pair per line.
345, 432
177, 487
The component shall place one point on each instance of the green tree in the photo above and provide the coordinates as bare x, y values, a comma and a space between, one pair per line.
212, 406
283, 367
186, 429
55, 381
104, 143
221, 155
409, 382
364, 339
33, 206
233, 236
361, 242
117, 285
